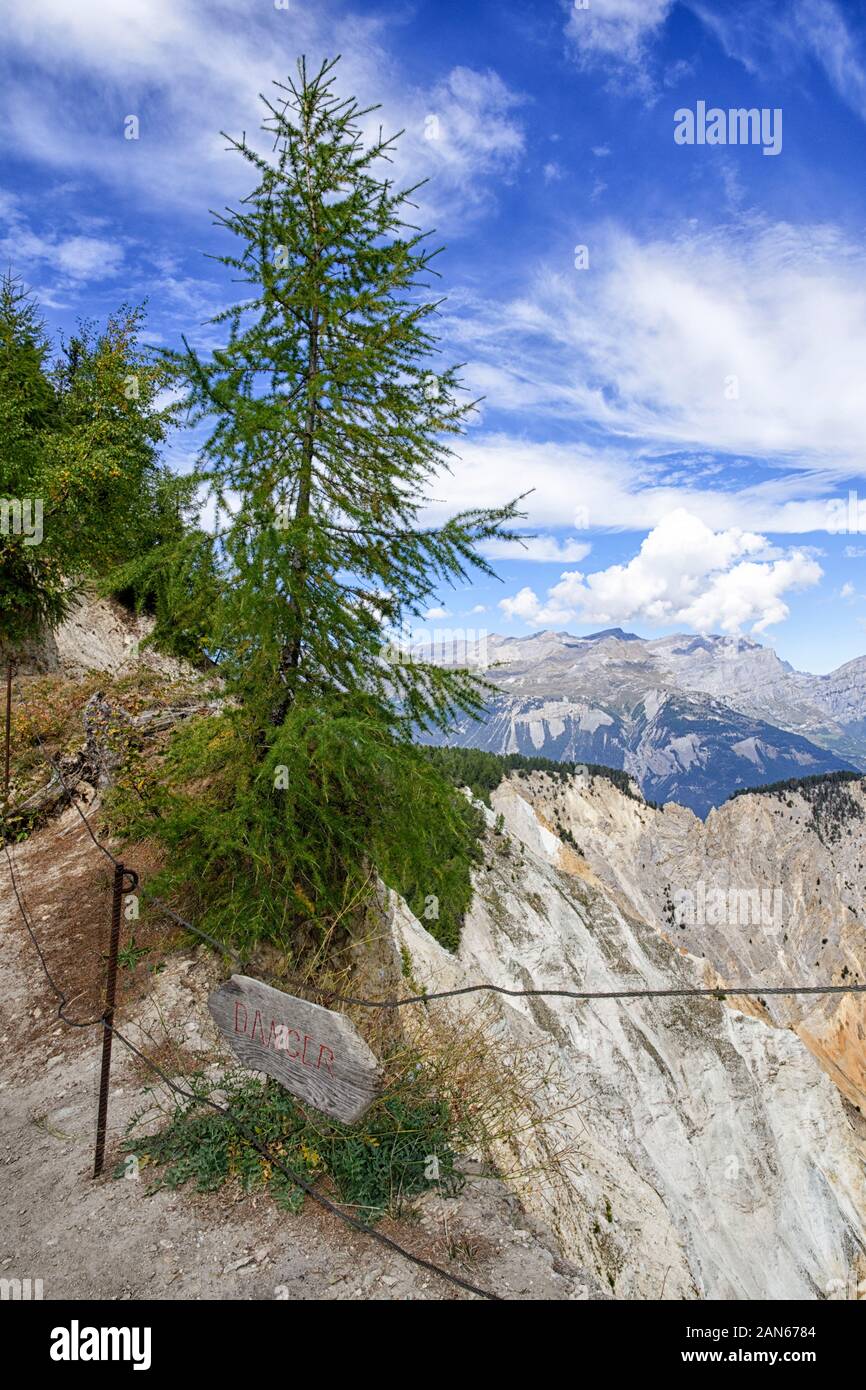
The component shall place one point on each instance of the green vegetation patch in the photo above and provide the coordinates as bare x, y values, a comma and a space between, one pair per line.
402, 1147
482, 772
284, 847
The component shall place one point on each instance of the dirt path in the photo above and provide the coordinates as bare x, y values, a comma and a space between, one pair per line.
107, 1238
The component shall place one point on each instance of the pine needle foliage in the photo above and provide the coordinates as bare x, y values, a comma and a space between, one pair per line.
81, 437
330, 420
32, 589
282, 848
330, 425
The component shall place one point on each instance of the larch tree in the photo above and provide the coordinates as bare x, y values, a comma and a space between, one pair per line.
32, 588
330, 426
329, 420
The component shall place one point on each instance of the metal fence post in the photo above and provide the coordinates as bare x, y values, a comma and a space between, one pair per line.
108, 1018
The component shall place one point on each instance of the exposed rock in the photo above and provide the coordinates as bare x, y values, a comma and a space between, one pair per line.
712, 1156
755, 891
98, 635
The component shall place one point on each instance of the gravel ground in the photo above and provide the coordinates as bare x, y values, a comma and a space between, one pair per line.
109, 1239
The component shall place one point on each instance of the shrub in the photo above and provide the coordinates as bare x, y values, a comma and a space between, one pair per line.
283, 847
373, 1166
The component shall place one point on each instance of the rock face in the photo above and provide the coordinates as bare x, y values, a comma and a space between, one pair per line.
709, 1150
769, 890
98, 635
692, 718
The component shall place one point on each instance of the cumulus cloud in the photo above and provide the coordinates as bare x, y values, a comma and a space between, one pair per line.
685, 574
524, 604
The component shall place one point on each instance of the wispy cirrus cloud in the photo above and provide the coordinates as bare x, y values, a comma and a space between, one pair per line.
539, 550
71, 252
772, 36
768, 37
73, 73
744, 339
608, 486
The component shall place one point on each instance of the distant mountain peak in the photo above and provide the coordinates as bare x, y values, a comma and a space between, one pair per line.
616, 632
692, 716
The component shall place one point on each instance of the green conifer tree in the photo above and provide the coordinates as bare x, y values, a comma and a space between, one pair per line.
32, 589
79, 439
330, 426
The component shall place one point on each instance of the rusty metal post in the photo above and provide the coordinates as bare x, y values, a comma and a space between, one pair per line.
108, 1019
8, 732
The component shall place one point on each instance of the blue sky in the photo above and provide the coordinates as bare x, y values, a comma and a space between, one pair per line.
689, 407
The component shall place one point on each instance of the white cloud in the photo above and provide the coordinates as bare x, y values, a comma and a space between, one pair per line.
87, 257
524, 604
766, 36
437, 613
76, 259
836, 47
747, 339
617, 34
769, 36
684, 574
73, 72
624, 488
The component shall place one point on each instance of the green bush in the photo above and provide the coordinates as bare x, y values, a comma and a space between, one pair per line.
282, 845
373, 1166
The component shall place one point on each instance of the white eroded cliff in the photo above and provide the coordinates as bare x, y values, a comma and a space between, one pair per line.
710, 1154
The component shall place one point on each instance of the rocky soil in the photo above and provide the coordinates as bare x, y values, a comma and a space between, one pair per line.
109, 1239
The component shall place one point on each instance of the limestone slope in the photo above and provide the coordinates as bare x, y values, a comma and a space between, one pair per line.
710, 1154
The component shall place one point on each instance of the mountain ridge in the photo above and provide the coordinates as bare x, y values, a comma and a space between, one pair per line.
692, 717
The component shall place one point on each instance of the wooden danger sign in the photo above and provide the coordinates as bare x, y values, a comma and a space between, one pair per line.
317, 1055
